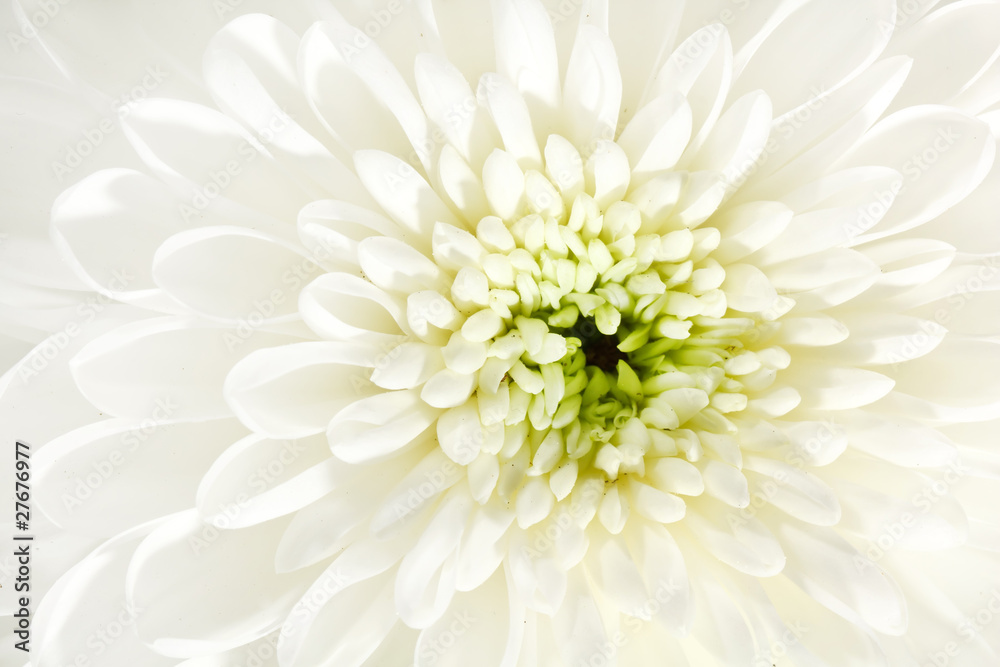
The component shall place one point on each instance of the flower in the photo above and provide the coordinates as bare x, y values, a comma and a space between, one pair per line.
521, 335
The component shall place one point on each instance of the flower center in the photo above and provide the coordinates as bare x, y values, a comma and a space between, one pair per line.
602, 340
600, 350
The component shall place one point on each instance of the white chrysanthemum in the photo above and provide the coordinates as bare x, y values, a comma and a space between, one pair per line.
511, 334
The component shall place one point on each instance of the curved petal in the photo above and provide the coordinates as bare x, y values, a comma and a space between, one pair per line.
379, 426
818, 46
115, 474
167, 367
239, 597
234, 273
211, 157
85, 617
292, 391
943, 156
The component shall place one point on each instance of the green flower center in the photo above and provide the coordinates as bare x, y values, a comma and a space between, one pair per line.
606, 342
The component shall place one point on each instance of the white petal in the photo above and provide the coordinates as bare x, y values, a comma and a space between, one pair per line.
408, 365
832, 388
817, 330
210, 156
462, 185
526, 51
169, 366
448, 389
295, 390
701, 69
379, 74
942, 154
748, 228
719, 628
662, 565
616, 575
817, 47
958, 372
640, 32
579, 629
417, 491
675, 475
896, 508
503, 181
403, 193
477, 630
425, 583
748, 290
257, 479
354, 592
901, 442
592, 92
793, 490
483, 546
112, 222
379, 426
510, 114
742, 542
331, 229
233, 273
79, 615
135, 465
534, 502
564, 167
229, 607
658, 134
462, 434
806, 139
827, 568
397, 266
451, 105
607, 173
946, 60
246, 90
343, 306
724, 482
889, 339
737, 140
326, 80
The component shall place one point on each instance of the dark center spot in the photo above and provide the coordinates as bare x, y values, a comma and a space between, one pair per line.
603, 352
600, 349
